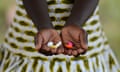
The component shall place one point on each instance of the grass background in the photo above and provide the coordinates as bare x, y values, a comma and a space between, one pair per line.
110, 19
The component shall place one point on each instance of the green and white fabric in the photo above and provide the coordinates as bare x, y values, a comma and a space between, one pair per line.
18, 53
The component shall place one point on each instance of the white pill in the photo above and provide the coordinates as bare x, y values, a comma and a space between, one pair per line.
50, 44
58, 44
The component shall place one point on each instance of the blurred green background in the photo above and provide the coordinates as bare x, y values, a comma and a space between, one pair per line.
110, 19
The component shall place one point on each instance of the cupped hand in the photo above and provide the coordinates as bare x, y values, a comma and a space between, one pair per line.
43, 37
77, 36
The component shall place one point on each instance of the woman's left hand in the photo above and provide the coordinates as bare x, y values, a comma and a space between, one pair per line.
77, 36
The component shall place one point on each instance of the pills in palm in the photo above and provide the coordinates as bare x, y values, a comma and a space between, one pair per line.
69, 45
51, 44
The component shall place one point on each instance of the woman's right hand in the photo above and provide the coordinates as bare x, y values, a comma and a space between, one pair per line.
43, 37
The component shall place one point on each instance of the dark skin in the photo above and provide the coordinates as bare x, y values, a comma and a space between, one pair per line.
81, 11
43, 37
77, 36
38, 11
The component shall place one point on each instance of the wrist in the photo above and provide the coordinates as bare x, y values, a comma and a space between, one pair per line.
72, 25
43, 27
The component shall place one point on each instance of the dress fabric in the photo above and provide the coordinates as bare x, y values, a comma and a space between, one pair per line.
18, 54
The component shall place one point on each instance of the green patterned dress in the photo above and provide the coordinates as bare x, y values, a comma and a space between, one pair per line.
18, 54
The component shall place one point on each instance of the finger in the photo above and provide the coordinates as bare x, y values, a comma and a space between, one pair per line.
39, 40
84, 52
56, 39
53, 51
77, 45
46, 48
83, 40
81, 51
65, 51
60, 50
74, 52
48, 53
69, 52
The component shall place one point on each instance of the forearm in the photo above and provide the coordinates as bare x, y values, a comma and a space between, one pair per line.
38, 11
81, 11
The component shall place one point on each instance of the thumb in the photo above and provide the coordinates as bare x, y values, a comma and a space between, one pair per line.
84, 40
38, 40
